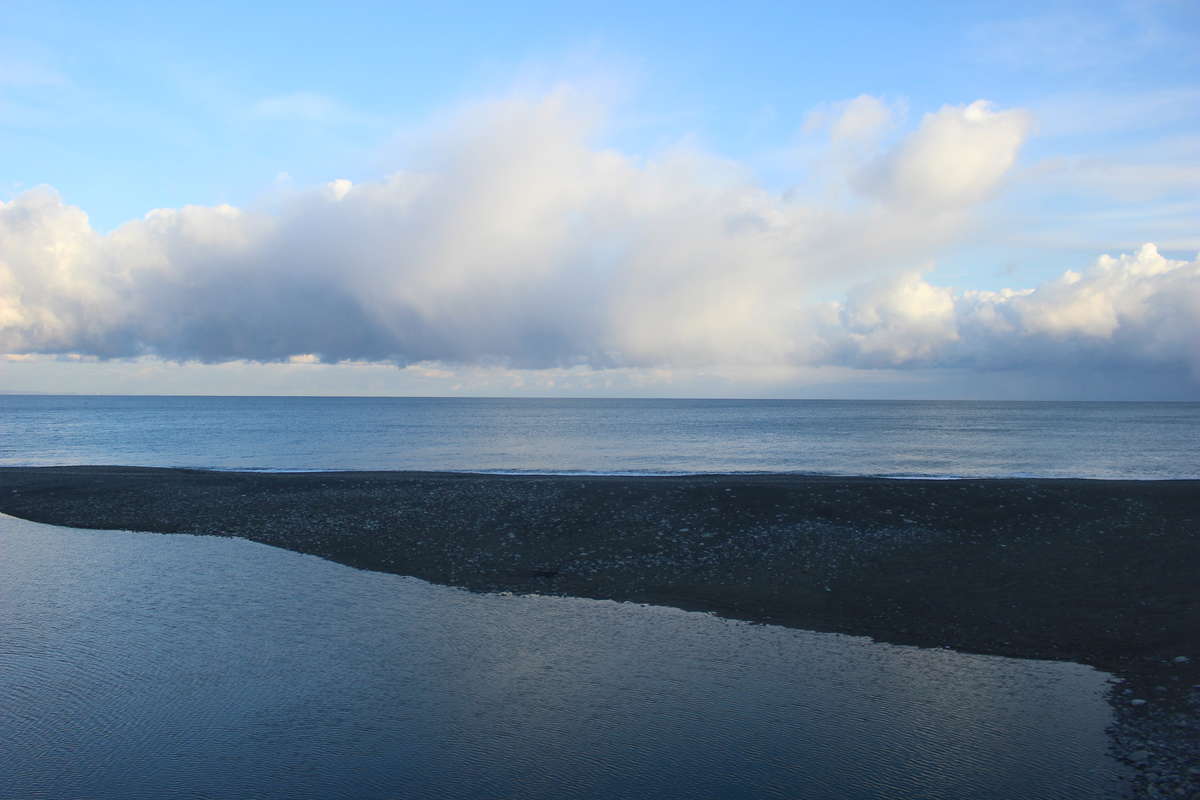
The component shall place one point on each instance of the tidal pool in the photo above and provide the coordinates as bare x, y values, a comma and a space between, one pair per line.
135, 665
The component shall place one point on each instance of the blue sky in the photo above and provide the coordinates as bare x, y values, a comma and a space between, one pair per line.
123, 108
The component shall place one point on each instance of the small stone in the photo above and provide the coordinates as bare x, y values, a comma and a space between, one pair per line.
1137, 701
1139, 756
1181, 659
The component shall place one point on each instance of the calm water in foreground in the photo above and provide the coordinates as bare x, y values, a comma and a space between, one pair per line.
913, 438
143, 666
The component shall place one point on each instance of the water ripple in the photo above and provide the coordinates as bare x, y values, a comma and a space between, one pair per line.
136, 666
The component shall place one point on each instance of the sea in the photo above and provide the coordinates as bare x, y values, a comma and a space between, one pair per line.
134, 665
895, 439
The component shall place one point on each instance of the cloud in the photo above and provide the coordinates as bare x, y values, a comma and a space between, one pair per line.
49, 297
1135, 311
954, 160
862, 118
515, 241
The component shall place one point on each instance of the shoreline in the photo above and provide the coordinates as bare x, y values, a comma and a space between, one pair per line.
750, 544
1095, 571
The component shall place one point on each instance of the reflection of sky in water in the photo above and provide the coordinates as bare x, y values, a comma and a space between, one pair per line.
134, 666
1100, 440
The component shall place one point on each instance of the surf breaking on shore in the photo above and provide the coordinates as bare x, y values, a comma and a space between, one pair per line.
1100, 572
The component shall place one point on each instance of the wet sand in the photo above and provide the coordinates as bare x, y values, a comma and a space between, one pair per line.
1100, 572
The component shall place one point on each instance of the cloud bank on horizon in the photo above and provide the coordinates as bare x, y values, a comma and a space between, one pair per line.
517, 241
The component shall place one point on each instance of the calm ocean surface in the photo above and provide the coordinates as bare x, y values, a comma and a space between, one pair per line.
897, 439
140, 667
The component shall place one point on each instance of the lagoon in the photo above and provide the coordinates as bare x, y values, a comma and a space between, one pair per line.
140, 666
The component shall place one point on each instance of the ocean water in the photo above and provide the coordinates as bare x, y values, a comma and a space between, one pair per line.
896, 439
135, 666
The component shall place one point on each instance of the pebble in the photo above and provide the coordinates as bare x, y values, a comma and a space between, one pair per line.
435, 526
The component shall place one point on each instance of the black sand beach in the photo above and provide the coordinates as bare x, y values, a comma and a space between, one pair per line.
1099, 572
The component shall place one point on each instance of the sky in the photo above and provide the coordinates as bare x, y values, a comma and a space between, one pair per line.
927, 200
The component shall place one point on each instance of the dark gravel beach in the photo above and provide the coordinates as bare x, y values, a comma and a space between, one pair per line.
1099, 572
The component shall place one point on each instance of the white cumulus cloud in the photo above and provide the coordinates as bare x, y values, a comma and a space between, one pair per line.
513, 239
955, 159
1138, 310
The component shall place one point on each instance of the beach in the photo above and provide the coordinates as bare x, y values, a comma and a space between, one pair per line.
1097, 572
